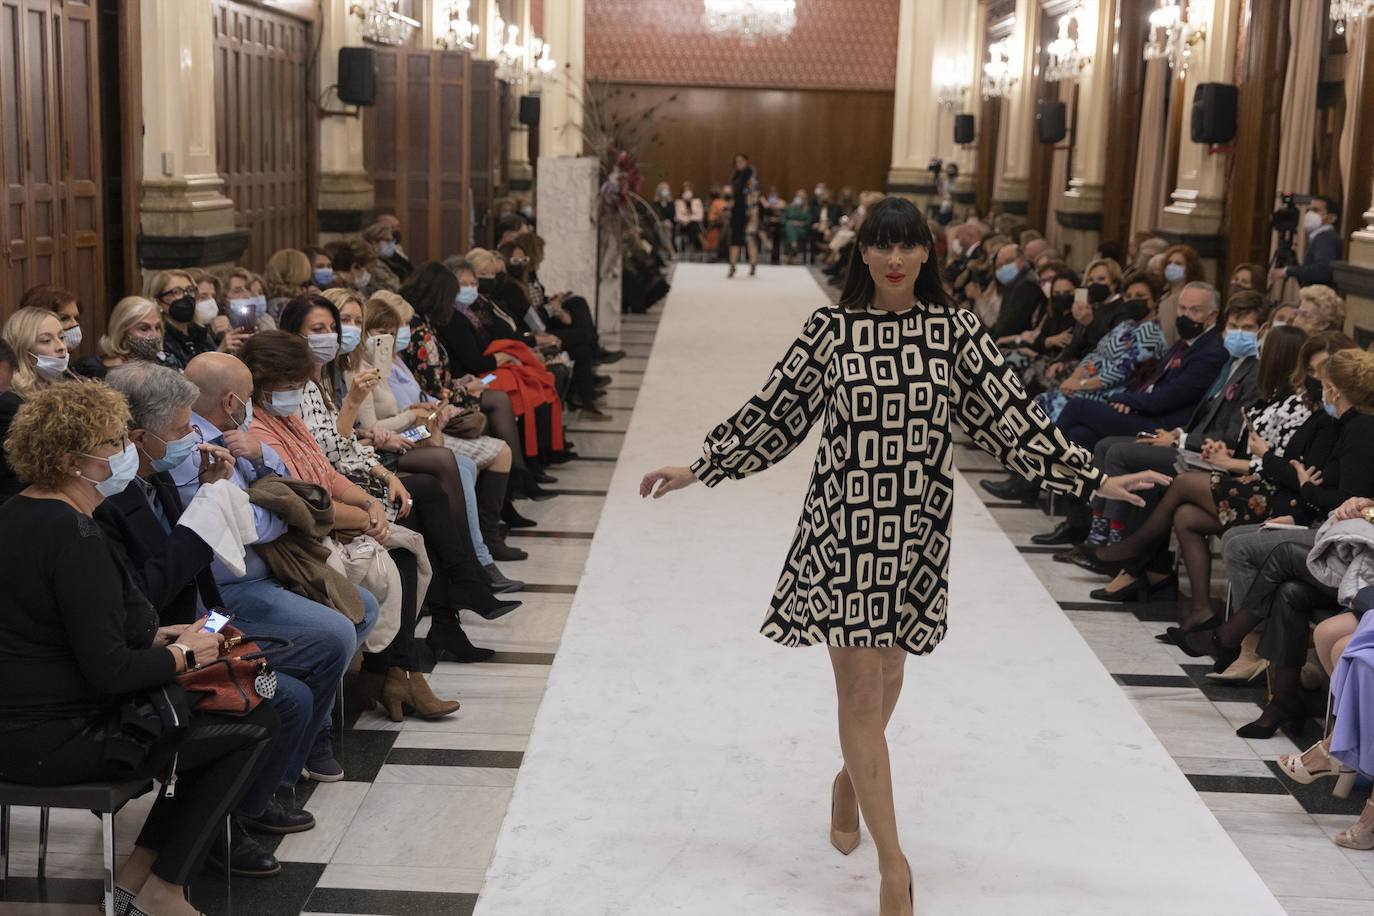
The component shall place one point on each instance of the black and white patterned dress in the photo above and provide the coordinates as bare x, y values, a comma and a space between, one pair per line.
869, 563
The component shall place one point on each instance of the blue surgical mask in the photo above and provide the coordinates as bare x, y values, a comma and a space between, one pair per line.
259, 305
1330, 408
402, 339
123, 469
1174, 273
178, 450
1241, 344
1007, 272
350, 335
286, 403
387, 249
323, 347
467, 295
247, 414
323, 276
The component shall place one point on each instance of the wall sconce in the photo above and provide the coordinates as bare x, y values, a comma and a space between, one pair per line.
1172, 37
1067, 59
381, 23
1351, 13
951, 82
999, 74
462, 31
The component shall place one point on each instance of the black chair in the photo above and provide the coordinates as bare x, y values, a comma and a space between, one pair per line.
107, 798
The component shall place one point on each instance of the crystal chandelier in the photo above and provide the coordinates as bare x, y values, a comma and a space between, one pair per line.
950, 83
999, 76
1067, 60
751, 19
1172, 37
1351, 13
381, 23
462, 31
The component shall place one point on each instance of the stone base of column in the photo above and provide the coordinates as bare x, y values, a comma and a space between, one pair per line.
1013, 196
188, 222
916, 185
1354, 279
346, 200
1080, 222
566, 201
965, 188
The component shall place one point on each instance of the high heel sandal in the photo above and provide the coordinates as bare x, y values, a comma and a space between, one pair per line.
1296, 770
845, 841
1359, 835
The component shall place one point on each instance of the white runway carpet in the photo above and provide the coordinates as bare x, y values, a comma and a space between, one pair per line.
681, 763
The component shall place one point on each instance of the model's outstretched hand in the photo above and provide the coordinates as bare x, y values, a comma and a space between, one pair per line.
666, 480
1123, 486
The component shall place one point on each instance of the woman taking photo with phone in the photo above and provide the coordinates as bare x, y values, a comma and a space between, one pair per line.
895, 341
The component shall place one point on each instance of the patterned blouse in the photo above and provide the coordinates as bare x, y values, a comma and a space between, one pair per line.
349, 456
1276, 423
1114, 361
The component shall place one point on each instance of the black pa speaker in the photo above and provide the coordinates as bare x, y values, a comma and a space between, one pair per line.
529, 110
1214, 113
357, 76
964, 133
1051, 121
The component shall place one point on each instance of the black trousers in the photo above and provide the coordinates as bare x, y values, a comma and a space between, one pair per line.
217, 759
1291, 599
458, 577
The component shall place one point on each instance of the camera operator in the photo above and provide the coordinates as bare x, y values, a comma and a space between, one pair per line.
1320, 222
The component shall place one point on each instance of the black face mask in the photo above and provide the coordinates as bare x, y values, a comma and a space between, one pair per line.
1188, 328
1098, 292
1314, 389
396, 236
487, 285
1062, 301
1136, 309
516, 270
183, 309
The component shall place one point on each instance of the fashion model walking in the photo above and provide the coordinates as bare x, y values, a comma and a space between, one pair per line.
867, 572
744, 184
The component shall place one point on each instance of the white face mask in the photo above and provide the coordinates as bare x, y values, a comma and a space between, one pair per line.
1311, 221
72, 337
361, 278
50, 368
206, 309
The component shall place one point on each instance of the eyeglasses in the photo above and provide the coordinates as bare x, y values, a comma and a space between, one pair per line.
519, 260
195, 430
177, 292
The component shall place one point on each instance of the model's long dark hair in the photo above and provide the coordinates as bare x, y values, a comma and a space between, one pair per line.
892, 221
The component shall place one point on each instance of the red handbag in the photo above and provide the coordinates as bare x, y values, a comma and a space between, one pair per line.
239, 679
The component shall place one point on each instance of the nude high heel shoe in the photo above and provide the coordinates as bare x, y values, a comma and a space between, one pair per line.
846, 841
1359, 835
910, 909
1296, 770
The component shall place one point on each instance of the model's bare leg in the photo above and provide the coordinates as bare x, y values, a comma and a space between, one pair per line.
734, 258
846, 805
860, 687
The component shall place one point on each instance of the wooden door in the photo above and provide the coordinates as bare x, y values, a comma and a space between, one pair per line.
265, 135
486, 146
50, 171
415, 142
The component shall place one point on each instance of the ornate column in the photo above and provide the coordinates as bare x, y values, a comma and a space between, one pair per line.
186, 219
1195, 212
1013, 185
521, 170
1080, 213
560, 115
1355, 277
971, 49
914, 109
345, 190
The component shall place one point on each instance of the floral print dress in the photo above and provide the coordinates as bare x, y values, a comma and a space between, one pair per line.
1253, 498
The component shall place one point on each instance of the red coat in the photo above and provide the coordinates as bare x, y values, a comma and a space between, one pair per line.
529, 385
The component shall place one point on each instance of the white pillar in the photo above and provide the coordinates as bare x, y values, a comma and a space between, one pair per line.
560, 116
520, 168
1083, 199
914, 108
974, 28
183, 193
1013, 185
1196, 206
345, 190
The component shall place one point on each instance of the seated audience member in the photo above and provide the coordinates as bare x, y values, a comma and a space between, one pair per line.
1181, 267
35, 338
380, 240
1246, 487
1021, 295
182, 336
353, 260
321, 267
171, 565
209, 295
509, 226
398, 260
1321, 224
1029, 352
1190, 386
288, 274
689, 216
1320, 308
666, 210
238, 286
63, 304
134, 333
8, 363
563, 311
1246, 277
78, 651
1109, 309
1150, 248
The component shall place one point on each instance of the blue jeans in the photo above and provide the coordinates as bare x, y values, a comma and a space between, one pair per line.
323, 641
467, 469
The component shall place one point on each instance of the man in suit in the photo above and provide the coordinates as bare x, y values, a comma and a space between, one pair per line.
172, 565
1215, 415
1022, 296
1322, 223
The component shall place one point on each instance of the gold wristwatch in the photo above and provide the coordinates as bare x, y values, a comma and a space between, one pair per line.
1368, 514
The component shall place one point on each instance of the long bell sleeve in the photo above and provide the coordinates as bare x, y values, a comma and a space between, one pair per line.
776, 420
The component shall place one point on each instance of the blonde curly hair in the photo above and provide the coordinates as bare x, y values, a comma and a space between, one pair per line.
60, 421
1328, 303
1351, 372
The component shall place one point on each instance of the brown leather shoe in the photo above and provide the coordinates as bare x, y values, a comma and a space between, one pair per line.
407, 691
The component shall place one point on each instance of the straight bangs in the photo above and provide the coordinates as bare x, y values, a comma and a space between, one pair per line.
895, 221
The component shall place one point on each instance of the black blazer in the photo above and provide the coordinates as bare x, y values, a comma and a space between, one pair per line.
1180, 381
1316, 264
171, 569
1020, 301
1219, 417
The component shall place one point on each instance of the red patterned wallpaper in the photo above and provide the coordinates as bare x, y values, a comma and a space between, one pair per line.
837, 44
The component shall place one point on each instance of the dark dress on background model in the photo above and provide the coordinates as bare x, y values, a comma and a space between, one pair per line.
869, 563
742, 182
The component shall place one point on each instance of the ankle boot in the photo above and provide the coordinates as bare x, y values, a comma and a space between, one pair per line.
491, 497
446, 636
407, 691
